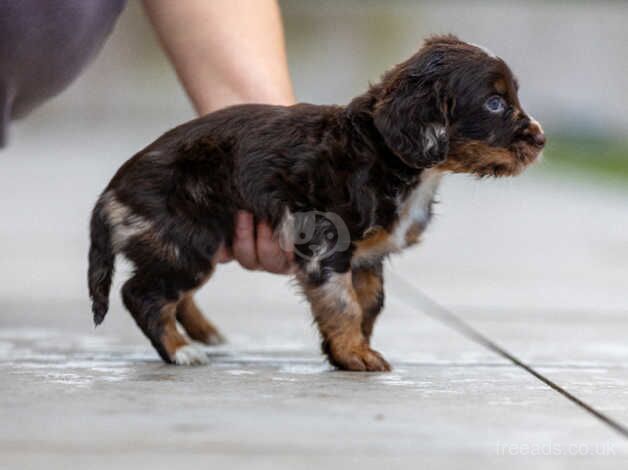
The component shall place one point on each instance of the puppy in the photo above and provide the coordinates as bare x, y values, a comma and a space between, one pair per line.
344, 186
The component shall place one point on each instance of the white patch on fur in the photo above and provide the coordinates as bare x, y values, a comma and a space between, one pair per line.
534, 122
124, 223
485, 50
190, 355
314, 264
416, 208
338, 288
286, 233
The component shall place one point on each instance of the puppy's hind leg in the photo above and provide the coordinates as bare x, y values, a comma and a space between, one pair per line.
154, 310
195, 324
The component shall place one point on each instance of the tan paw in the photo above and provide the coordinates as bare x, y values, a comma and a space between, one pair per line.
361, 359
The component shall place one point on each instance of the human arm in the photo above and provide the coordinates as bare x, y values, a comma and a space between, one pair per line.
227, 53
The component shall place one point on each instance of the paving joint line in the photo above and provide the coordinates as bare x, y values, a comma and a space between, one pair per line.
432, 309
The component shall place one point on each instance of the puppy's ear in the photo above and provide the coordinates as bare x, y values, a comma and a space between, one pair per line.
411, 114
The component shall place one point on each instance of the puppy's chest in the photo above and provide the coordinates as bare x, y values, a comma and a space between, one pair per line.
413, 215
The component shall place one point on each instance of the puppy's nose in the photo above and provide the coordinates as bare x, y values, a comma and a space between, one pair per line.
539, 139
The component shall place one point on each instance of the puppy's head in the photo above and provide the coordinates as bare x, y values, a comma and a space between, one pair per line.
454, 105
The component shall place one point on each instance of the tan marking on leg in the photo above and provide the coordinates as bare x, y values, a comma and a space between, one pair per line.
195, 324
376, 243
178, 348
375, 237
369, 289
171, 339
338, 314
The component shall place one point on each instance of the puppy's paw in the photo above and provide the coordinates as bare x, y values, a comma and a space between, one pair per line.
361, 359
190, 355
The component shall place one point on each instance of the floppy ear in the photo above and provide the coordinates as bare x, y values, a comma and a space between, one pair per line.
411, 116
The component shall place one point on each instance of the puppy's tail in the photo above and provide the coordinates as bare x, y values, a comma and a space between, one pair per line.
101, 263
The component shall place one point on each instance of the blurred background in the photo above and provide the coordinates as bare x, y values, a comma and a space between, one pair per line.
570, 57
557, 230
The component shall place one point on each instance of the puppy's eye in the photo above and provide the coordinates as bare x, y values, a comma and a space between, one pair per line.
495, 104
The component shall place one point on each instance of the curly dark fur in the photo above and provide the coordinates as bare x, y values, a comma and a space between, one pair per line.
170, 207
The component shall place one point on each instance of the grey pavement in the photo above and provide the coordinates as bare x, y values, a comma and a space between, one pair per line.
539, 264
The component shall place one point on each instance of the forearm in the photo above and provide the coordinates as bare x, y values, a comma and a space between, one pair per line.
225, 52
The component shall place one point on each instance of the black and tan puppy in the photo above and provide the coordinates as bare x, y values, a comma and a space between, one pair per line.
346, 185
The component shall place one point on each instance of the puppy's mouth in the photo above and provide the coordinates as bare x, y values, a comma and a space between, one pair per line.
527, 153
528, 146
483, 160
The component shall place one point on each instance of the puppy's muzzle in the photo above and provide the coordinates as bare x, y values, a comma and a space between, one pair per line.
534, 134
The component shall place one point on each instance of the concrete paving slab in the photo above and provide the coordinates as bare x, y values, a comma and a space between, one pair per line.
561, 338
71, 395
605, 388
584, 353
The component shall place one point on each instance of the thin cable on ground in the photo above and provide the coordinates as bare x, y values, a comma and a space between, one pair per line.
429, 307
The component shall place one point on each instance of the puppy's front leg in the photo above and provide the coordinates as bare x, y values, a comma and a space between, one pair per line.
368, 283
339, 316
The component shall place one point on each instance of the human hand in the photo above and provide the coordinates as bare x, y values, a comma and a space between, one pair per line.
256, 248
